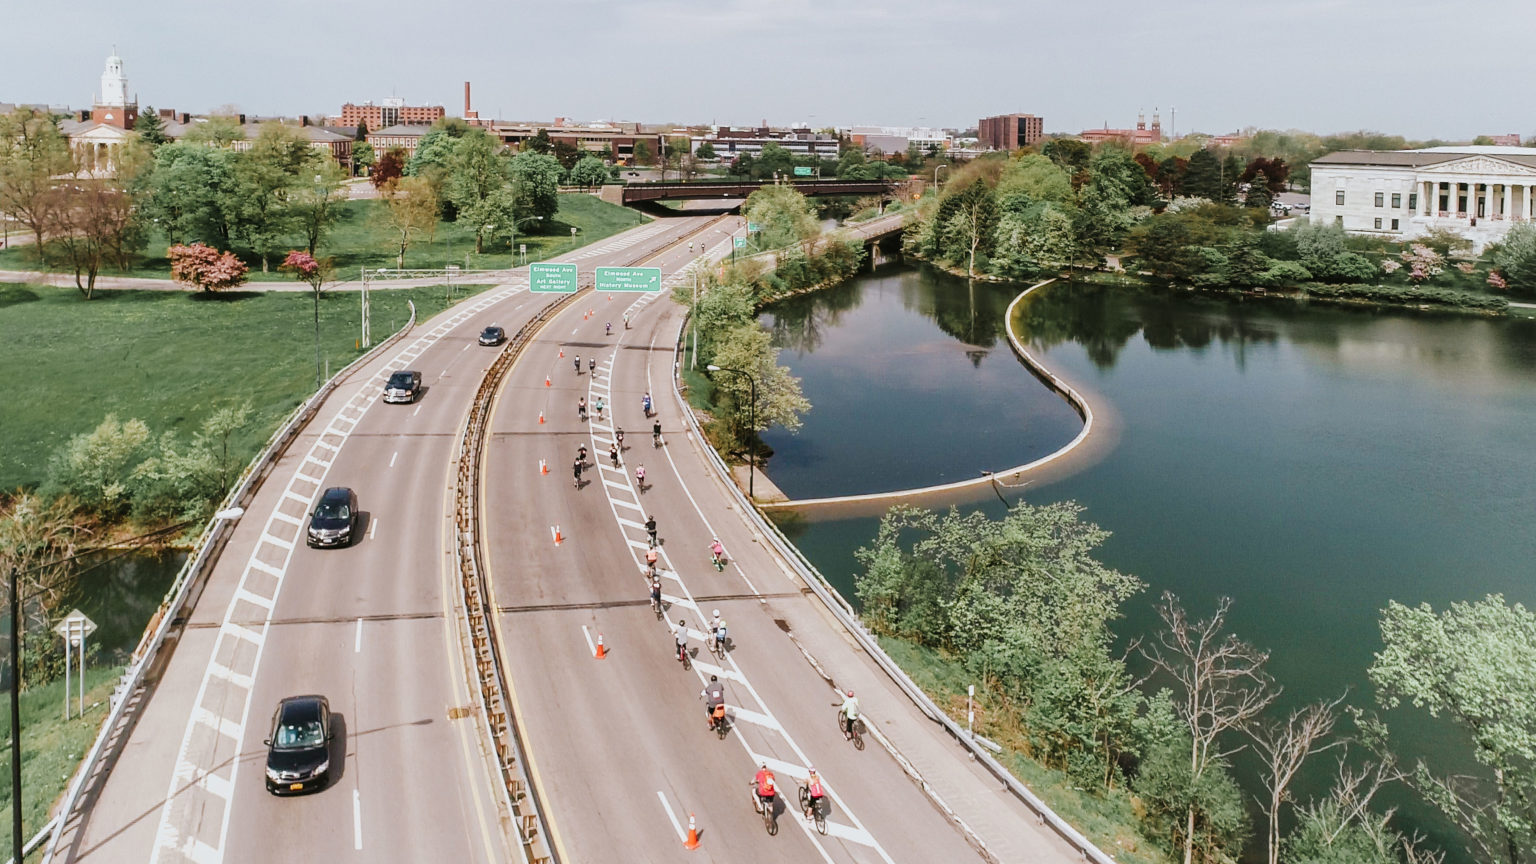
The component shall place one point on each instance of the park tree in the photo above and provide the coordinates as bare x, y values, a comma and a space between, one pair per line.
316, 206
265, 178
1514, 258
476, 170
433, 156
1202, 177
220, 131
1070, 154
205, 267
361, 133
1283, 747
314, 273
566, 153
363, 157
589, 172
495, 216
780, 401
643, 153
191, 193
1259, 197
1219, 688
967, 221
92, 223
39, 538
773, 159
539, 143
706, 150
1275, 172
1474, 664
410, 211
150, 128
784, 216
32, 152
389, 167
537, 179
1038, 177
1170, 176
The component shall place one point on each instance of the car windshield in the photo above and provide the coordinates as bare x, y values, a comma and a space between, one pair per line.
492, 331
400, 379
298, 736
333, 510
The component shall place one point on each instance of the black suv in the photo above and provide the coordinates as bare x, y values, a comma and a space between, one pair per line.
299, 747
335, 518
403, 386
493, 335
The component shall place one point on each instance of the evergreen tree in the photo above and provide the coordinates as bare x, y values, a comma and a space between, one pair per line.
362, 131
1259, 195
1202, 177
150, 127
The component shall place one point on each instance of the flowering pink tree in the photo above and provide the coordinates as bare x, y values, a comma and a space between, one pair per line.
1423, 263
206, 267
309, 269
1389, 266
1497, 281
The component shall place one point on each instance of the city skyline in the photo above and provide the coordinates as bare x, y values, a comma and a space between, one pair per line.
737, 63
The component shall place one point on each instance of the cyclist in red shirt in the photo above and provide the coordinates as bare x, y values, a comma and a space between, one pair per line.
765, 786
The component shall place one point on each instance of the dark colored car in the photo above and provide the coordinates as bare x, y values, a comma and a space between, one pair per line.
299, 748
403, 386
493, 336
335, 518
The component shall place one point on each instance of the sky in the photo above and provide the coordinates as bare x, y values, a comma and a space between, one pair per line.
1410, 67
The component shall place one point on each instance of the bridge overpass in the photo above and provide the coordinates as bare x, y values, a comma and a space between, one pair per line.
643, 192
617, 749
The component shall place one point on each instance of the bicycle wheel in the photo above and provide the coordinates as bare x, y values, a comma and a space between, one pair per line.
770, 821
858, 735
805, 795
821, 821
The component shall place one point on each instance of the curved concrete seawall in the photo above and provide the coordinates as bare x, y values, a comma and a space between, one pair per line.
1097, 436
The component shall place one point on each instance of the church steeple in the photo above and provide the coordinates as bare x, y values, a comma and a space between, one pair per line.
114, 107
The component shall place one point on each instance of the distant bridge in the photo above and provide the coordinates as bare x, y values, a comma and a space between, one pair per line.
640, 192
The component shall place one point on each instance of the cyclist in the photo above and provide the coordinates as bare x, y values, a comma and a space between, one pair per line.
598, 405
764, 783
690, 247
655, 591
618, 437
645, 402
717, 627
581, 408
717, 552
592, 365
650, 528
640, 477
577, 468
626, 320
849, 711
613, 454
680, 636
650, 558
609, 327
577, 363
656, 433
581, 454
815, 792
713, 695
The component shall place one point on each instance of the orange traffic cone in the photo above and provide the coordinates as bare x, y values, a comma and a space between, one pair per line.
546, 380
693, 834
557, 535
601, 651
543, 466
562, 352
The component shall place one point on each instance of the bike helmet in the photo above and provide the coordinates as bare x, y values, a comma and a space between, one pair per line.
850, 694
716, 613
713, 678
810, 769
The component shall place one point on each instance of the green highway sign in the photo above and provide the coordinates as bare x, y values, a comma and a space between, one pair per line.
552, 278
753, 227
802, 171
741, 242
628, 279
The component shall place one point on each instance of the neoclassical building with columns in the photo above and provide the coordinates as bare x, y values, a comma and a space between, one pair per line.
1476, 191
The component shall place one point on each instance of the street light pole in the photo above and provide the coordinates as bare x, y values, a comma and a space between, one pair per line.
936, 170
752, 414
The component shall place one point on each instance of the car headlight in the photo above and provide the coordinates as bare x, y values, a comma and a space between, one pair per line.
321, 768
272, 774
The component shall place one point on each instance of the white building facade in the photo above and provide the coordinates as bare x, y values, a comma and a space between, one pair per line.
1478, 192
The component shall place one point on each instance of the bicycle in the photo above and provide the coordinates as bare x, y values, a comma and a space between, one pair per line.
765, 809
814, 810
720, 722
682, 655
717, 646
852, 730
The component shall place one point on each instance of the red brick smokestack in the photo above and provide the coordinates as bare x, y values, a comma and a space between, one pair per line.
466, 98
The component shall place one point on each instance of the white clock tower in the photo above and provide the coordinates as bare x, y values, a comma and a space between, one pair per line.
115, 108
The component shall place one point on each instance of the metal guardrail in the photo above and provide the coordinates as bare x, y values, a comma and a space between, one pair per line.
36, 840
845, 614
211, 542
520, 796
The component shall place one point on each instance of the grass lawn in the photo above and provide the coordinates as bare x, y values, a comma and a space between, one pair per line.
51, 747
1109, 820
170, 359
359, 240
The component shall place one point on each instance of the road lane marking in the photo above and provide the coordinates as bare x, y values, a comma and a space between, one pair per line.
228, 728
284, 517
676, 825
357, 641
219, 670
264, 567
373, 525
417, 411
357, 815
591, 646
287, 545
393, 457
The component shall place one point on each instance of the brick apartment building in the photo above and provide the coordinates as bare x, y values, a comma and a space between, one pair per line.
389, 112
1009, 131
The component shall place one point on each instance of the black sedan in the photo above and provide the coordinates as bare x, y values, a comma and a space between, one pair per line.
493, 335
334, 521
403, 386
299, 749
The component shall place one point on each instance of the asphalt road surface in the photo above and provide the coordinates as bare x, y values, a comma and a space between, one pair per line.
372, 627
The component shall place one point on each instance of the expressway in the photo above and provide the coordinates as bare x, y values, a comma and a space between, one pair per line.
375, 628
619, 747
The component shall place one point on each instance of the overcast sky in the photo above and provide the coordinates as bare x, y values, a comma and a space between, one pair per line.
1421, 69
